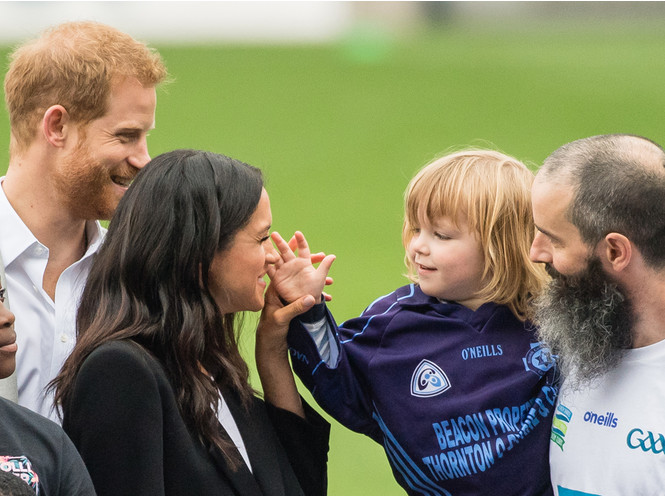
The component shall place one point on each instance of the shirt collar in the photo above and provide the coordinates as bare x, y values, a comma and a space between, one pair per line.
482, 313
96, 234
16, 238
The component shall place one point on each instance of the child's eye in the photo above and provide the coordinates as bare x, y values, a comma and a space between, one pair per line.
441, 236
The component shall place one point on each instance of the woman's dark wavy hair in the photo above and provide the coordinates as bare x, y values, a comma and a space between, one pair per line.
149, 281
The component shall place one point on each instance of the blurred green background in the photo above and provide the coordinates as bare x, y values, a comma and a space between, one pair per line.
340, 127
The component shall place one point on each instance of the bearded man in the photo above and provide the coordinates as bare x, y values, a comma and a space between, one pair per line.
81, 101
599, 208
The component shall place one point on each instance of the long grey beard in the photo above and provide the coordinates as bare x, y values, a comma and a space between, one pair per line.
586, 320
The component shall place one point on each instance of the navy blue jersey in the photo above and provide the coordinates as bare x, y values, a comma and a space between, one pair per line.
461, 400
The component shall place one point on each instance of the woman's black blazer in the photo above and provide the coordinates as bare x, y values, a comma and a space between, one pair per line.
124, 420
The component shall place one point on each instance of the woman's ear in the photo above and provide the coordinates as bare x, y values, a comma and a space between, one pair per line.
617, 251
55, 125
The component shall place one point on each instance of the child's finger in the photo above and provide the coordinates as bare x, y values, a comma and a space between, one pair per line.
293, 244
282, 246
317, 257
325, 264
303, 247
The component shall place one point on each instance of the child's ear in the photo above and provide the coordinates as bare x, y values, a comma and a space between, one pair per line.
617, 251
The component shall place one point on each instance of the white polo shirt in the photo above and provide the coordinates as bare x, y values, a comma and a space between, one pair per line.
45, 329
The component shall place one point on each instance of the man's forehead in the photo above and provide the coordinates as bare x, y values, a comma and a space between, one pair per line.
131, 105
548, 184
551, 173
551, 201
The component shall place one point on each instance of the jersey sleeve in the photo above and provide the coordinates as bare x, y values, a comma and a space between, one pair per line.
341, 384
114, 419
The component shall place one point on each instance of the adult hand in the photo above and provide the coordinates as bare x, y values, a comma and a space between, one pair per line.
276, 316
271, 350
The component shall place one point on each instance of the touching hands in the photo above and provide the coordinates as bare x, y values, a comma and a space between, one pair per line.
272, 361
294, 276
300, 286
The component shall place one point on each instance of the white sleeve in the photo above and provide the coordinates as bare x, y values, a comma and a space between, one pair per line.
326, 344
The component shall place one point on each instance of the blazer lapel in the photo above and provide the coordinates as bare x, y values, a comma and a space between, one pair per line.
256, 432
241, 480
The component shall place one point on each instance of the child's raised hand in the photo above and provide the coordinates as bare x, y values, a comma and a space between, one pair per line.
295, 276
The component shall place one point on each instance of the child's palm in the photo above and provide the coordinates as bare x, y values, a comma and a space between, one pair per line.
294, 275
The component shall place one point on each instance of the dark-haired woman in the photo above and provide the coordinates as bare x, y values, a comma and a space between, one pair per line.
155, 394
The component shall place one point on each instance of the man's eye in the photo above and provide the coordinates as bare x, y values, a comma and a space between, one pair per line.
126, 138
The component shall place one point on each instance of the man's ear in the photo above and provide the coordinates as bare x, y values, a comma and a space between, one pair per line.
617, 251
55, 125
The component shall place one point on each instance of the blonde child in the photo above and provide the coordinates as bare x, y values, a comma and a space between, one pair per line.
446, 372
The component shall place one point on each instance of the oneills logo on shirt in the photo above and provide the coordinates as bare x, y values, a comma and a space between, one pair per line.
429, 380
607, 420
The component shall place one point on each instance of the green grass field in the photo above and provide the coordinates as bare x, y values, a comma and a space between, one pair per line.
339, 129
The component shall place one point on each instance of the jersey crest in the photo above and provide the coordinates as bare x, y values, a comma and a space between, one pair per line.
429, 380
539, 359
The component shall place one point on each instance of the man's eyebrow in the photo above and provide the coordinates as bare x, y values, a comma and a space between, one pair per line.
549, 234
129, 126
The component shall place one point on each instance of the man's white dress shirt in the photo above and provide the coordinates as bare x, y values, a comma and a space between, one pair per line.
45, 329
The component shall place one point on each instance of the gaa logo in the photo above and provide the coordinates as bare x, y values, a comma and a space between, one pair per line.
646, 441
429, 380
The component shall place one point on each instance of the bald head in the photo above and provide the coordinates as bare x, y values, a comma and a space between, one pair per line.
618, 185
604, 153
